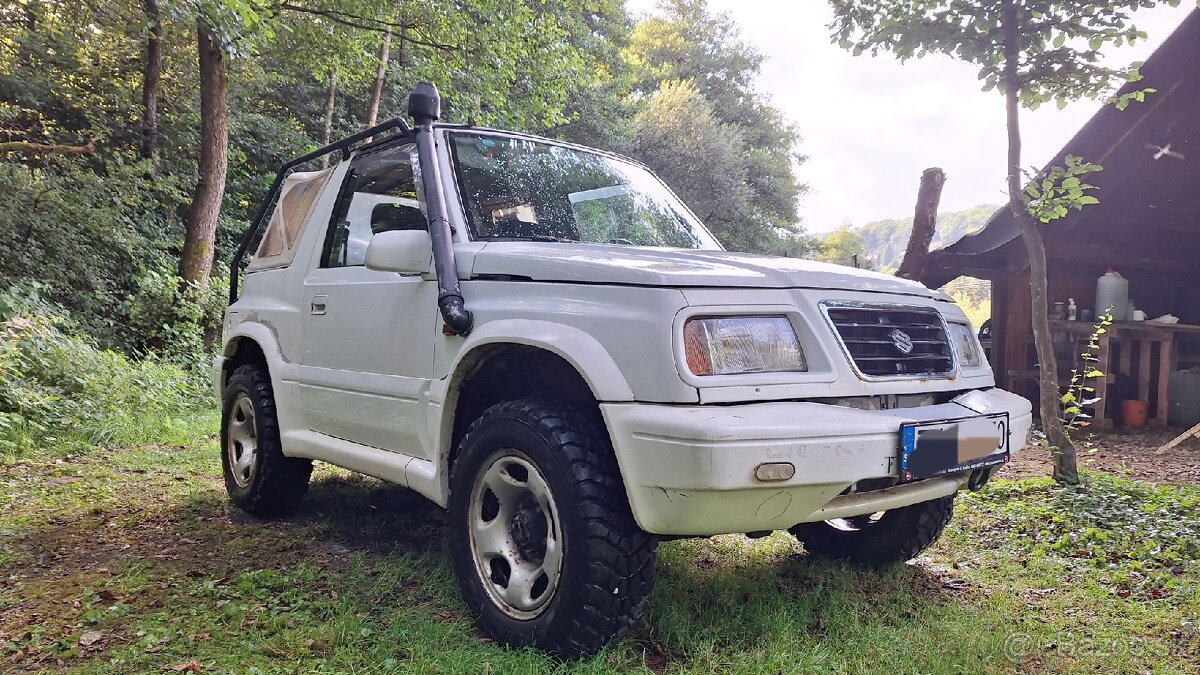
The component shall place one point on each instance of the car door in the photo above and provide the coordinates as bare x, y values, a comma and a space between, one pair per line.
367, 337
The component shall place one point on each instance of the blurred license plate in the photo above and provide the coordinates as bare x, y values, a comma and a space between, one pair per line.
929, 449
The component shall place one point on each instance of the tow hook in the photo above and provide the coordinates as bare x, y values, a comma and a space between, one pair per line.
979, 478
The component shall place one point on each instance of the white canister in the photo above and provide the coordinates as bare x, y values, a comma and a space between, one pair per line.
1112, 291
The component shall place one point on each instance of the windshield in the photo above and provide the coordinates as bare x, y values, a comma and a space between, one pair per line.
517, 188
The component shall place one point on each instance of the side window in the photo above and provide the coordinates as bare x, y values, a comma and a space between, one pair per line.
379, 194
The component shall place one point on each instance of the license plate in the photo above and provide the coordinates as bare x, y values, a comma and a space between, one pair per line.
929, 449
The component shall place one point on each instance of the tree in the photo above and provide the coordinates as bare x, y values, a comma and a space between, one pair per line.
691, 44
845, 246
152, 80
195, 263
380, 78
1033, 52
924, 224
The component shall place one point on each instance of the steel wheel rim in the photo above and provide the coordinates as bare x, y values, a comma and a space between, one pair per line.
517, 563
241, 446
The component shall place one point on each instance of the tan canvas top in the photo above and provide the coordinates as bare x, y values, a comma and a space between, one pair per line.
296, 198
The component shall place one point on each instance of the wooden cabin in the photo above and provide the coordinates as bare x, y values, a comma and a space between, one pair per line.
1146, 226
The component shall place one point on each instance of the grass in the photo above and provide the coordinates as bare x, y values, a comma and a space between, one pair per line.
132, 561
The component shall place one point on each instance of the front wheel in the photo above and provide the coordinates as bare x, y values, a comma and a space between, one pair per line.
878, 539
259, 478
543, 544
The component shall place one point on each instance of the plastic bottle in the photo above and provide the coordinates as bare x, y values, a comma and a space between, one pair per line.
1112, 291
1072, 310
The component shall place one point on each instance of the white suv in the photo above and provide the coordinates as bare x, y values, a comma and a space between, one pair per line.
543, 339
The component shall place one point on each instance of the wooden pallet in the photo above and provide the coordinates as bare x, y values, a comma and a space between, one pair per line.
1193, 432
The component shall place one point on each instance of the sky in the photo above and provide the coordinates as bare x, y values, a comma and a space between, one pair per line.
871, 125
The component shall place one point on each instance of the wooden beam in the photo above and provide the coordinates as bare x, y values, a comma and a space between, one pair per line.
1194, 431
1166, 366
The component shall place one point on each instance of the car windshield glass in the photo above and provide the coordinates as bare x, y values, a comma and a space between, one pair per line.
518, 188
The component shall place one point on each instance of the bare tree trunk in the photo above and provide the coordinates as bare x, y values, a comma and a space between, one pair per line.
195, 265
329, 104
380, 78
152, 80
1061, 447
924, 221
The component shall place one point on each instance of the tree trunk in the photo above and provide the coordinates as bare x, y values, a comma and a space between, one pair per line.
924, 221
1061, 447
195, 265
329, 104
152, 80
380, 78
47, 148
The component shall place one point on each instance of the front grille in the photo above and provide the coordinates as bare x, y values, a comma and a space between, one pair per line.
891, 341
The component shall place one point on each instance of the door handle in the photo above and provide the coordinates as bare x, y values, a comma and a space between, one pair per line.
318, 305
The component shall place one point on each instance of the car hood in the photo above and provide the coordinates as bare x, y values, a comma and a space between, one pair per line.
641, 266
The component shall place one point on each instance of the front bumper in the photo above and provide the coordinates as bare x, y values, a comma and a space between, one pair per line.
689, 470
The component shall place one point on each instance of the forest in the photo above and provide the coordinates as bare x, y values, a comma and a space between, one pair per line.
137, 137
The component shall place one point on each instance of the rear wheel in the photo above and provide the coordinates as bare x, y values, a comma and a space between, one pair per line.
259, 478
878, 539
544, 547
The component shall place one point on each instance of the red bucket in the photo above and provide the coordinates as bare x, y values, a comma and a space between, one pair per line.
1135, 413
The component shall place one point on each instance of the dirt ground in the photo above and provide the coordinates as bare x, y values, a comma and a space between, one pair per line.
1125, 452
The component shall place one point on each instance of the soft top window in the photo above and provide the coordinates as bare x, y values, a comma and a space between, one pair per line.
296, 198
379, 194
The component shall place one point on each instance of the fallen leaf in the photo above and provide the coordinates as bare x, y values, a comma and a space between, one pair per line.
90, 638
189, 667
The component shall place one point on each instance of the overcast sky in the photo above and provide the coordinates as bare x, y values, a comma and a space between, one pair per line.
871, 125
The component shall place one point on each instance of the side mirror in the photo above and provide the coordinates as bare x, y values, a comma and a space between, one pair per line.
403, 251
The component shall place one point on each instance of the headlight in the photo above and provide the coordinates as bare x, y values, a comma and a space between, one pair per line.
965, 345
742, 344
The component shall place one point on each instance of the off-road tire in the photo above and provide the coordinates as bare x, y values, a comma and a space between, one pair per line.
607, 568
898, 535
277, 483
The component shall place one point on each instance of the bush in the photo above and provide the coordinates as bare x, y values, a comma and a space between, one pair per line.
59, 389
85, 234
175, 321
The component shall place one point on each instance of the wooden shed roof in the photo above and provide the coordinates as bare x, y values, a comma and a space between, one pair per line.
1149, 211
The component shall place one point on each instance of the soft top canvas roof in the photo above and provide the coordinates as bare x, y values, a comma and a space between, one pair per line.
296, 198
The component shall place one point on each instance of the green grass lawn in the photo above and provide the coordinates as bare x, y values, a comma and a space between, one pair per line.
132, 561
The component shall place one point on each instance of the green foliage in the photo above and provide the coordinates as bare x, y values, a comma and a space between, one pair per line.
1051, 193
884, 241
1079, 395
1060, 40
705, 161
173, 320
691, 77
60, 390
69, 226
1131, 537
847, 246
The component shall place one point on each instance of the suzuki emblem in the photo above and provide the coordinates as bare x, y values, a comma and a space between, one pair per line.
901, 341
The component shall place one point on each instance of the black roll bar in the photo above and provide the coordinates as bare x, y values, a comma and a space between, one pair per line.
345, 145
